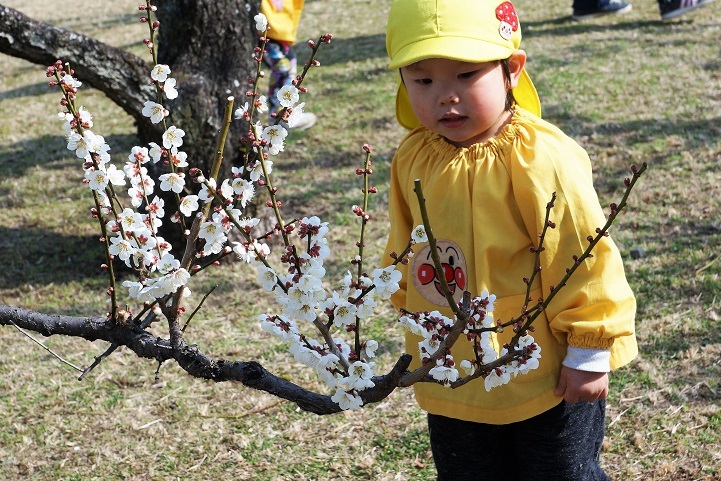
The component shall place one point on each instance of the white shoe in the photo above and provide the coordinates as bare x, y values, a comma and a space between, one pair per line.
305, 121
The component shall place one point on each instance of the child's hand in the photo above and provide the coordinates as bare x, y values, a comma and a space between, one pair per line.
277, 4
575, 385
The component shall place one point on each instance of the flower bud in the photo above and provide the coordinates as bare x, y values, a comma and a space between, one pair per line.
367, 148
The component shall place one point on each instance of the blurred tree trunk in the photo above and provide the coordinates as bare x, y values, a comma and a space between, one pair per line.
206, 43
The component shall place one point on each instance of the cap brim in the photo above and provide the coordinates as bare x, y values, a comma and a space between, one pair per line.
524, 93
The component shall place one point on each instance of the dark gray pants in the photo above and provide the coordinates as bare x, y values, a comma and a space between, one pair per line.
562, 444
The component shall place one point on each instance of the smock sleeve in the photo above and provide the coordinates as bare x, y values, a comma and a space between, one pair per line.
400, 230
596, 308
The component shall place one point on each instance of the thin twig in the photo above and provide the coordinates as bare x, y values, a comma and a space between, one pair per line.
46, 348
200, 304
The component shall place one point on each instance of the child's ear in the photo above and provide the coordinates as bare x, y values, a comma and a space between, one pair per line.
516, 62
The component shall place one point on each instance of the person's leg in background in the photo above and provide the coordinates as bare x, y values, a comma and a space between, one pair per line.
583, 9
673, 8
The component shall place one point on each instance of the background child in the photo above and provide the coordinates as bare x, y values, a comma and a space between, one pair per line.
488, 166
283, 17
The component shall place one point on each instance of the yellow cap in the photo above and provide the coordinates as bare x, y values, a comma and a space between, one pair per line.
466, 30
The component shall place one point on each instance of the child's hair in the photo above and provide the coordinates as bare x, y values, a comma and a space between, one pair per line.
506, 67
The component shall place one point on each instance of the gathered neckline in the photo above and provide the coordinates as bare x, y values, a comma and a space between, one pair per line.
441, 147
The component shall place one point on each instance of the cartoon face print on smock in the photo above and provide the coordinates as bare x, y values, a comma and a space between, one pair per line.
454, 269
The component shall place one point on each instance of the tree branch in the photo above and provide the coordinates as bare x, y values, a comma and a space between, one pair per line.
191, 359
118, 74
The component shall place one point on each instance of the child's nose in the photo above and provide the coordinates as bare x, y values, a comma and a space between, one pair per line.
449, 99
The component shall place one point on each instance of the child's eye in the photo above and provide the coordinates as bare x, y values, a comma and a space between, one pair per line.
424, 81
467, 75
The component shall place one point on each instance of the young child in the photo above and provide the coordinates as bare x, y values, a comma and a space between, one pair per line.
488, 166
283, 17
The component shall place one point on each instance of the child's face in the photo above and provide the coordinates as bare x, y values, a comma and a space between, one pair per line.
464, 102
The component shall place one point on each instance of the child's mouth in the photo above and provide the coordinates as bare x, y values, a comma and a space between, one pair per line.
453, 121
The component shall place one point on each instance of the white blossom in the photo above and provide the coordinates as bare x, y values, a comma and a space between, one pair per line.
497, 377
160, 73
347, 400
261, 22
418, 234
288, 96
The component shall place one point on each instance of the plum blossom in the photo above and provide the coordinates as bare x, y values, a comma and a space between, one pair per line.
172, 181
156, 207
80, 143
138, 291
428, 346
121, 248
160, 73
411, 325
266, 277
386, 281
256, 171
241, 111
288, 96
169, 89
281, 326
69, 81
116, 177
210, 231
97, 179
347, 400
139, 154
296, 115
173, 137
497, 377
343, 310
366, 307
155, 111
130, 220
468, 367
226, 190
167, 264
443, 372
418, 234
261, 104
244, 190
244, 253
85, 118
188, 205
206, 191
261, 22
369, 349
275, 134
178, 158
359, 376
155, 152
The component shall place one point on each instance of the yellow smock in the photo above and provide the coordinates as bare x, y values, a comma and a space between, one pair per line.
283, 23
487, 205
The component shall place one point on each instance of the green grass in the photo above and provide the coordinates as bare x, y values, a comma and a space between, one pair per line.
629, 89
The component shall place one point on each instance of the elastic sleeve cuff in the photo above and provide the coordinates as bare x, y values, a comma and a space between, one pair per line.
591, 360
